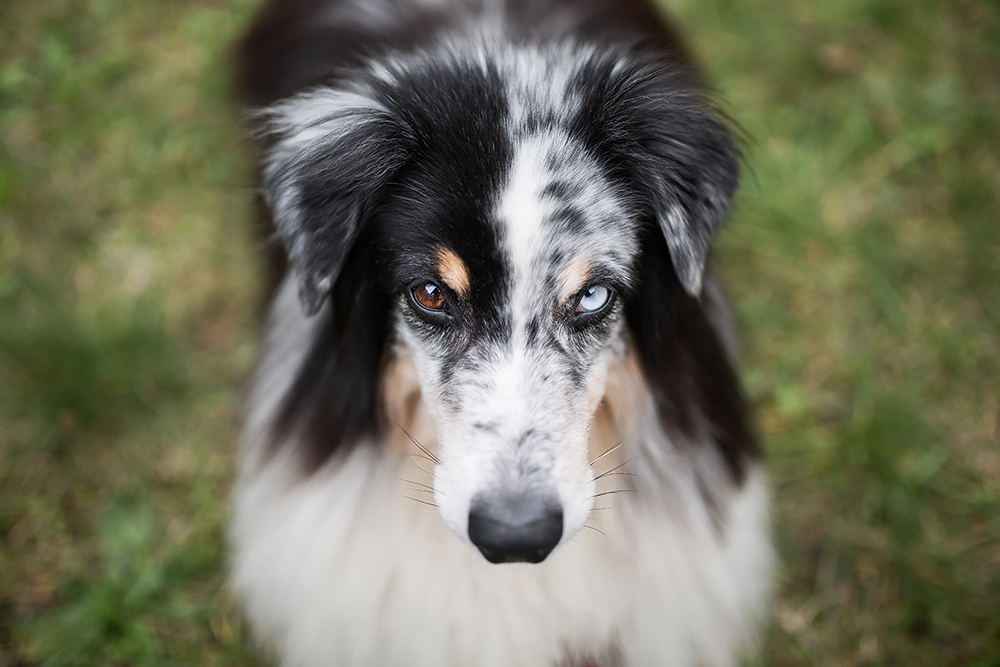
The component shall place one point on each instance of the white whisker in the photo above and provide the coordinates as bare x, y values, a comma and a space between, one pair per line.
613, 449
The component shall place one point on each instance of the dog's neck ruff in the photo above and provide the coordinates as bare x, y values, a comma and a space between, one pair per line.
347, 567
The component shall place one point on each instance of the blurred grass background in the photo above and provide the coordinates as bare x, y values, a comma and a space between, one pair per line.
863, 257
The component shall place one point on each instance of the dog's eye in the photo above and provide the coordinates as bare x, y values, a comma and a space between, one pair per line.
593, 299
429, 297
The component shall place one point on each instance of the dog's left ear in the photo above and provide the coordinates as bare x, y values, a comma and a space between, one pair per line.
681, 156
332, 152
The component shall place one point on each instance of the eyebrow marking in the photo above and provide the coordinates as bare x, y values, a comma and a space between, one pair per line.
452, 270
575, 277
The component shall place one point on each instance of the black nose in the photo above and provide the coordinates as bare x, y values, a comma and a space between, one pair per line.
515, 530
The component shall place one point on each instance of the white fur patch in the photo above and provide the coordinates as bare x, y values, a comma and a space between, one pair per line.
346, 570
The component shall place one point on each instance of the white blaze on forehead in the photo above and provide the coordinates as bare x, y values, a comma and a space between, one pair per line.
522, 210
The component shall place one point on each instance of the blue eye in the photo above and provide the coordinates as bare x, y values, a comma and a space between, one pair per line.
593, 299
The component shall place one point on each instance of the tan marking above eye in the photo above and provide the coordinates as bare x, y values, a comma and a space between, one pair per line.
452, 270
575, 277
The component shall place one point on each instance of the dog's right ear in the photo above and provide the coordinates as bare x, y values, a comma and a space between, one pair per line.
330, 154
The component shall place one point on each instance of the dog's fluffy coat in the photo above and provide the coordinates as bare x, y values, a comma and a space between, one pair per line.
496, 216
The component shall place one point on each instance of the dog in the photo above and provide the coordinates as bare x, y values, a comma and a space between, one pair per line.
496, 419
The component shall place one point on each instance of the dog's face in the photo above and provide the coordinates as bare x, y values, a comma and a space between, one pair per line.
511, 333
498, 208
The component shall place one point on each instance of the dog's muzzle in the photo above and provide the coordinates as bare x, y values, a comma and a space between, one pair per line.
515, 529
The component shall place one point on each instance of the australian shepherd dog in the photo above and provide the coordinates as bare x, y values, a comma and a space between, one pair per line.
496, 420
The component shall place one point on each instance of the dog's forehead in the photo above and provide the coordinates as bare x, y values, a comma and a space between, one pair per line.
507, 197
560, 217
558, 221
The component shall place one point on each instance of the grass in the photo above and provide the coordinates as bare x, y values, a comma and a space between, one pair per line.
862, 257
127, 293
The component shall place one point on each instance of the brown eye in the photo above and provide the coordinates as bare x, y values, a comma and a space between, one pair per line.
429, 296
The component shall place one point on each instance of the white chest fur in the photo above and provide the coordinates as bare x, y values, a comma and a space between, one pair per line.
344, 569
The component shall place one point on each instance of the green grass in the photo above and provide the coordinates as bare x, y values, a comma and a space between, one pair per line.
127, 296
863, 257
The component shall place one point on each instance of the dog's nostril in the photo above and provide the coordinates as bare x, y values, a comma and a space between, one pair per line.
515, 530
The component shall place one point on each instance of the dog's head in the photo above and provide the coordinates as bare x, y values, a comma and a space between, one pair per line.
501, 219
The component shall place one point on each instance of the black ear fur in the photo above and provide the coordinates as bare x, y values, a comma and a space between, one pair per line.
657, 136
686, 166
686, 363
333, 403
676, 152
332, 153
